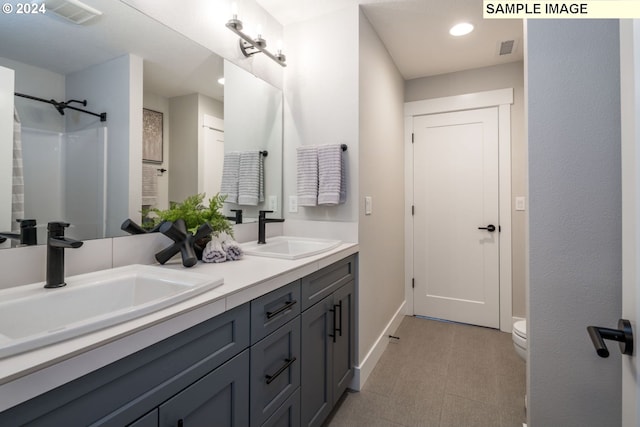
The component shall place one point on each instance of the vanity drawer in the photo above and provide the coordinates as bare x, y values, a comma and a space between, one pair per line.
275, 371
323, 282
288, 415
273, 310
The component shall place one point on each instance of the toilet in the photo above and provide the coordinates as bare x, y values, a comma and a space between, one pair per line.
519, 336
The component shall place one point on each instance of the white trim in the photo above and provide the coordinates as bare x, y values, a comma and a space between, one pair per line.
362, 371
502, 99
504, 161
469, 101
408, 217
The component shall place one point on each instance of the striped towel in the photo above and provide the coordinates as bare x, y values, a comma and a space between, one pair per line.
230, 169
250, 178
307, 175
17, 193
331, 182
149, 185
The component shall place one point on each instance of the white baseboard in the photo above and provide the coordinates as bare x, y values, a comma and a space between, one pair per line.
362, 372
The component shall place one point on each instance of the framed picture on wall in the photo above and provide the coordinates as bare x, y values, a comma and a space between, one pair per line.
151, 136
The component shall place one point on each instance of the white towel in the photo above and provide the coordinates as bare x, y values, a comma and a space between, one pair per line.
249, 180
149, 185
307, 157
231, 247
17, 193
331, 182
213, 252
230, 170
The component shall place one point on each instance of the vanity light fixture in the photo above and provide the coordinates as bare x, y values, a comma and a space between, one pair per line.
461, 29
250, 46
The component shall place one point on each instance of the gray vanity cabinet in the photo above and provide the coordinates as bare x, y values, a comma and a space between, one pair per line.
149, 420
219, 399
328, 339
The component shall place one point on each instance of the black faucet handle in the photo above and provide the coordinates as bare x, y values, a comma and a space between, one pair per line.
263, 214
26, 223
56, 228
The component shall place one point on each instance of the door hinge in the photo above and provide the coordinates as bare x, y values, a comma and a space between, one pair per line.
412, 137
413, 283
413, 210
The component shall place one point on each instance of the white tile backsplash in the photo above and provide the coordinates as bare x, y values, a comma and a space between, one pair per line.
21, 266
93, 255
138, 249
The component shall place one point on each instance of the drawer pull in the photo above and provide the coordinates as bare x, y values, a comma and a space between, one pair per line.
287, 363
287, 305
180, 423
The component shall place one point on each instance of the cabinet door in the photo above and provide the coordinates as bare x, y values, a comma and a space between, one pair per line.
275, 370
316, 399
344, 347
219, 399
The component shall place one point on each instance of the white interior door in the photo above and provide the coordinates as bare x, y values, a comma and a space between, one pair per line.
456, 187
213, 161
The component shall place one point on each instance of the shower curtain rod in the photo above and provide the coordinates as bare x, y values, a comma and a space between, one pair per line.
60, 106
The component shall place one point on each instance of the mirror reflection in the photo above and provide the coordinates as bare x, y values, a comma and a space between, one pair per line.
169, 121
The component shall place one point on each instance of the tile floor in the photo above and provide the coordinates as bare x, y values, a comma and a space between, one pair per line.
440, 374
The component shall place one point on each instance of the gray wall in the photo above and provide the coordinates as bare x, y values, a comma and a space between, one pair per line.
381, 268
509, 75
573, 102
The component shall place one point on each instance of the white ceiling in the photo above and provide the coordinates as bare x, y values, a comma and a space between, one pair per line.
173, 64
416, 32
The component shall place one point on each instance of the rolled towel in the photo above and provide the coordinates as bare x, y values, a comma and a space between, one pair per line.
213, 252
231, 247
233, 250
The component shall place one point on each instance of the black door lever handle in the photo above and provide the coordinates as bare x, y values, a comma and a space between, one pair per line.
490, 228
624, 335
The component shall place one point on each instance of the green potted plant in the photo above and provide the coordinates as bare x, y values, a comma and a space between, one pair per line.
194, 213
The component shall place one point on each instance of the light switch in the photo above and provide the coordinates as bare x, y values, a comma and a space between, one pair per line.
520, 203
293, 204
368, 205
273, 203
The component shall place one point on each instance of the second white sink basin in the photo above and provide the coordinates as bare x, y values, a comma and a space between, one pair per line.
32, 316
289, 247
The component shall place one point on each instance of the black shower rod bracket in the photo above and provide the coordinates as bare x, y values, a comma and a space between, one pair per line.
61, 106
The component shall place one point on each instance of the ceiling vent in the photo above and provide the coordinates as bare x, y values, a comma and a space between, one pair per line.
72, 10
506, 47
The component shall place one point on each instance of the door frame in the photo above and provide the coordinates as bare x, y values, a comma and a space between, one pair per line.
502, 99
630, 143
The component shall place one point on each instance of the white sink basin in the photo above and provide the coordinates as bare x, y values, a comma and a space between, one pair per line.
290, 247
32, 316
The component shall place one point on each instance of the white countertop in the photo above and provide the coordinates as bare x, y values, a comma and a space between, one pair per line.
29, 374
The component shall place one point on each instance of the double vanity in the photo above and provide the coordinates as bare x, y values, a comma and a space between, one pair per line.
265, 341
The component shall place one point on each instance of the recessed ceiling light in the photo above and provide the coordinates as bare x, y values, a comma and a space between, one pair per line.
221, 80
461, 29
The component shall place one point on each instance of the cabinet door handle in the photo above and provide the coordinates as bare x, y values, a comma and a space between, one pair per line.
287, 363
287, 305
339, 329
180, 423
333, 335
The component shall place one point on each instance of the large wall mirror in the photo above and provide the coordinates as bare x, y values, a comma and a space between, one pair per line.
174, 112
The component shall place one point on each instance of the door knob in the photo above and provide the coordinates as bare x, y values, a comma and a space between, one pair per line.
624, 335
490, 228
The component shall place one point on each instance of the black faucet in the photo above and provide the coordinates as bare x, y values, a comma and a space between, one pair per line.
56, 244
238, 217
28, 233
262, 222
